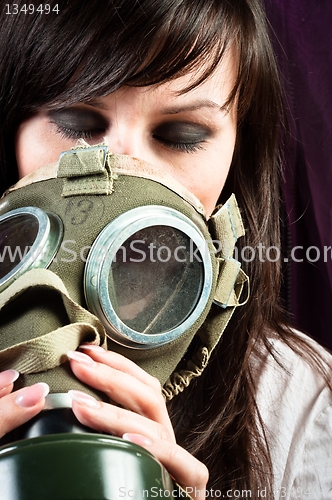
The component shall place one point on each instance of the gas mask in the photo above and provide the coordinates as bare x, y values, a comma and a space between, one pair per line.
107, 249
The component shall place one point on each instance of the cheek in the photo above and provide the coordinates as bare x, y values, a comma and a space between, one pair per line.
208, 183
36, 145
210, 189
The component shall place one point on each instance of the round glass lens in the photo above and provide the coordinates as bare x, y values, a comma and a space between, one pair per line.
17, 235
156, 279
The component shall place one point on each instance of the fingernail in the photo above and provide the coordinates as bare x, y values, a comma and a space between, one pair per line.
137, 439
30, 396
84, 399
91, 347
7, 377
80, 357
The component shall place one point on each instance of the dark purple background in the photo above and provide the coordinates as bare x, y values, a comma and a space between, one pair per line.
303, 44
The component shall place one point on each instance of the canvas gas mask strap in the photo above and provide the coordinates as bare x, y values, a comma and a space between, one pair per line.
85, 171
48, 351
226, 227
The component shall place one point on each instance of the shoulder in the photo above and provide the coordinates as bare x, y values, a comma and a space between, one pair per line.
295, 405
284, 372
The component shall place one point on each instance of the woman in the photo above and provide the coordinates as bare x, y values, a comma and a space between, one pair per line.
192, 87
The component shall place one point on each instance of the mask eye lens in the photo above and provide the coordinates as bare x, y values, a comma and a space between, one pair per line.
29, 238
17, 234
148, 276
155, 280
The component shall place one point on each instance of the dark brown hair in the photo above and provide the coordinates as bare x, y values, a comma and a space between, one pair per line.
91, 48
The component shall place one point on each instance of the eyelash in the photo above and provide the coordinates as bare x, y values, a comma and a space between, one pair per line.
186, 147
67, 133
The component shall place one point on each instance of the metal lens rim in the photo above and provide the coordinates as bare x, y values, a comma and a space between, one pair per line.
43, 249
97, 271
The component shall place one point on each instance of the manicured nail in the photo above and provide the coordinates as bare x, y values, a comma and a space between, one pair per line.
30, 396
80, 357
137, 439
8, 377
91, 347
84, 399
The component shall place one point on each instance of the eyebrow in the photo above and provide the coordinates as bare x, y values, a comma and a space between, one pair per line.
193, 106
96, 103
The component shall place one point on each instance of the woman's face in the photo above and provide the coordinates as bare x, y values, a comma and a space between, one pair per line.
190, 136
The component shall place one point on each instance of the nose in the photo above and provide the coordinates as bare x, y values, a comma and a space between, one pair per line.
127, 138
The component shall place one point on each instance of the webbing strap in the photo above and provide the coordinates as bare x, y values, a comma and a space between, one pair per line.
85, 171
48, 351
227, 225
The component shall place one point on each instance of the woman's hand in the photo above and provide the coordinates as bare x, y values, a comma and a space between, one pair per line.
18, 407
143, 417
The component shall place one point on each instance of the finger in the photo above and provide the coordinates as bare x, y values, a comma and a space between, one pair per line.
7, 379
113, 420
188, 472
121, 363
122, 388
18, 407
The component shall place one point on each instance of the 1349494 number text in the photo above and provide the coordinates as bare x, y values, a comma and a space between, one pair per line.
14, 9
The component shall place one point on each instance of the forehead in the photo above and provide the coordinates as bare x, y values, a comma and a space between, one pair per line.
218, 85
216, 88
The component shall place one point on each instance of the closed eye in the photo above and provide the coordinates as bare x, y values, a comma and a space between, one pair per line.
182, 135
73, 123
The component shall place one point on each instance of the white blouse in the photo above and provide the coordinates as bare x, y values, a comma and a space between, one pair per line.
296, 407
